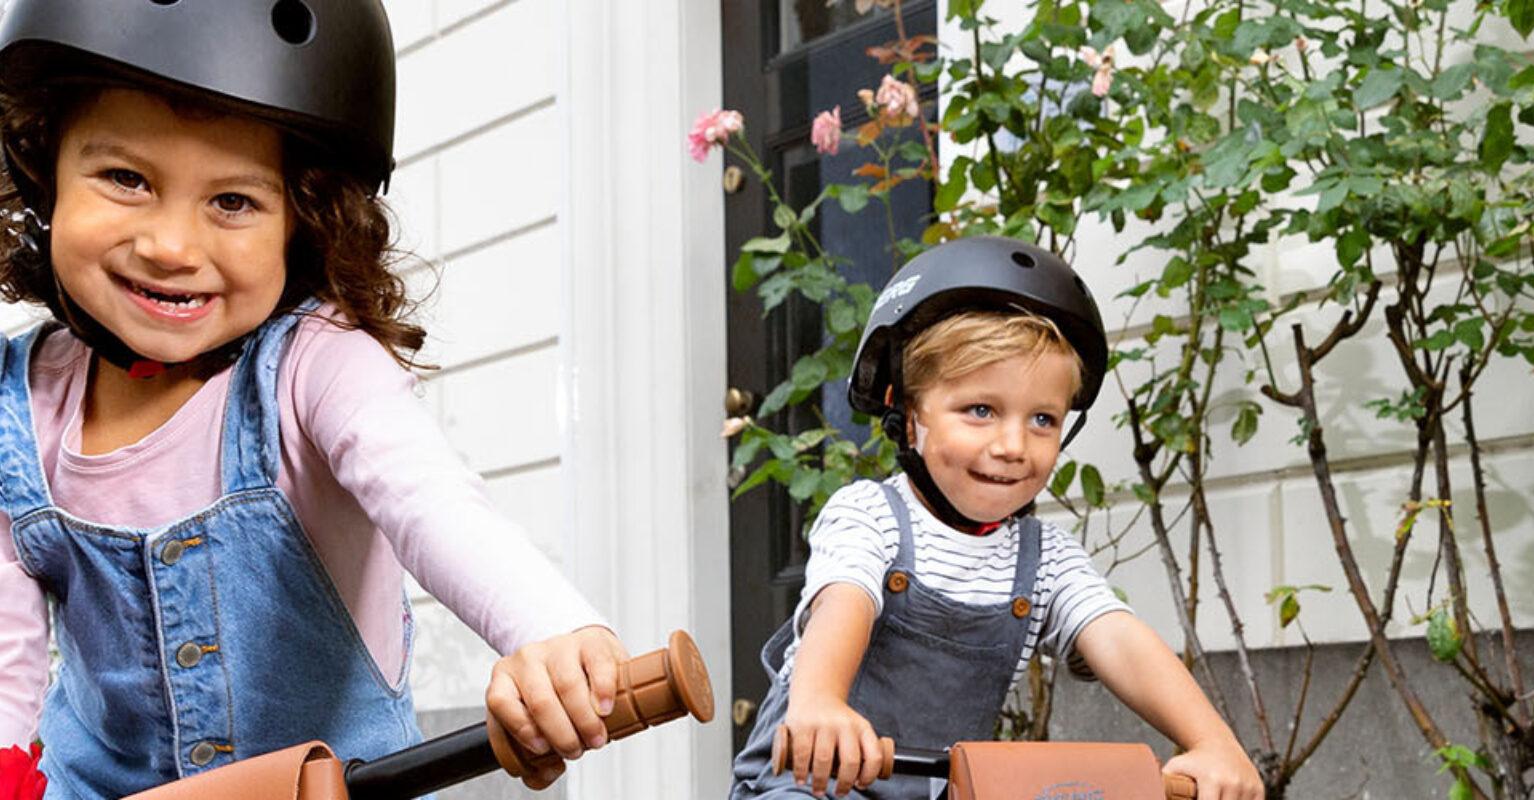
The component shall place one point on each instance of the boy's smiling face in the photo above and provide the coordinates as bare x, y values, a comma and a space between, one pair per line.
170, 230
990, 436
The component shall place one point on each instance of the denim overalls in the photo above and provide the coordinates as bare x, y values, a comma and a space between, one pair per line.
936, 670
191, 645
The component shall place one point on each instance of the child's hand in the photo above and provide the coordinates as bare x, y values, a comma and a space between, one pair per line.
553, 694
821, 730
1222, 770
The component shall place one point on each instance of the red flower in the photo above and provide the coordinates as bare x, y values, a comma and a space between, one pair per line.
19, 777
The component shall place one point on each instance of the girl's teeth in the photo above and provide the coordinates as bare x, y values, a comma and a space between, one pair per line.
187, 302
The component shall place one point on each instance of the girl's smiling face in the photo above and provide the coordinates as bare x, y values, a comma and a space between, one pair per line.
990, 436
168, 229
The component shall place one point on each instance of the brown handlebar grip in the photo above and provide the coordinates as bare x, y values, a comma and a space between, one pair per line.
1179, 787
780, 746
656, 687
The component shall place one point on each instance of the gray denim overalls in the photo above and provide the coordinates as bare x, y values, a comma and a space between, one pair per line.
191, 645
936, 670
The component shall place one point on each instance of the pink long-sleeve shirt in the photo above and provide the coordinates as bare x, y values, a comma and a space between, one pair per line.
367, 470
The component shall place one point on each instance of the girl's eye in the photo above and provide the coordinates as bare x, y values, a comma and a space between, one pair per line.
127, 180
1044, 420
232, 203
982, 411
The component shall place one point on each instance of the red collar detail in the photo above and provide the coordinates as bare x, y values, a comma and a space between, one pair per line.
987, 528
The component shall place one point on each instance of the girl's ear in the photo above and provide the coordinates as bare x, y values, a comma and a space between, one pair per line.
910, 424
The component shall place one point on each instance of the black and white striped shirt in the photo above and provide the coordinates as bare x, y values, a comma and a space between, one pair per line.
856, 538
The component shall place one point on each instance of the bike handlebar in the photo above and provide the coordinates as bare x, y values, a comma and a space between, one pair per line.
656, 687
937, 764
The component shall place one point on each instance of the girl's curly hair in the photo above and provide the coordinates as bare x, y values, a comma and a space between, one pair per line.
342, 250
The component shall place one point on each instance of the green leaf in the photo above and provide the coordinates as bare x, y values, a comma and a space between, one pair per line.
841, 317
1288, 610
1443, 637
1092, 485
784, 217
1379, 85
1144, 493
1063, 477
810, 439
744, 276
1350, 246
776, 399
1497, 144
1438, 341
1452, 82
1245, 426
851, 196
808, 373
763, 244
1521, 14
1177, 272
804, 483
1235, 320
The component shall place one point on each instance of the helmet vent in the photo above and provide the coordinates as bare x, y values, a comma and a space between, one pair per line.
292, 20
165, 2
1079, 285
1022, 259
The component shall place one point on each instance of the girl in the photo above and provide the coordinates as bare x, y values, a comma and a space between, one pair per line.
212, 465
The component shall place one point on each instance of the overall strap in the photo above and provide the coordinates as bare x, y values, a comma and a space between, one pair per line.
1030, 546
252, 438
23, 489
905, 558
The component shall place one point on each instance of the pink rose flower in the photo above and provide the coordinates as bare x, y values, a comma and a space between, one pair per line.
826, 132
1102, 80
713, 130
897, 100
20, 778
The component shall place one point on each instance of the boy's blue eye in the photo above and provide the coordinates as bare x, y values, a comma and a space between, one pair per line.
981, 410
1044, 420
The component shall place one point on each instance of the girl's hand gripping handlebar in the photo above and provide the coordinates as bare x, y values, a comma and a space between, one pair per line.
656, 687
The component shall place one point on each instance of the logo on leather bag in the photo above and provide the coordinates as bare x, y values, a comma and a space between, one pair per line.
1070, 790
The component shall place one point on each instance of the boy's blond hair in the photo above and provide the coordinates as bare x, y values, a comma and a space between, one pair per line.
970, 340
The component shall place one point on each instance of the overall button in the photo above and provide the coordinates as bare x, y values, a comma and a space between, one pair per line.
1021, 607
188, 655
898, 582
203, 753
171, 552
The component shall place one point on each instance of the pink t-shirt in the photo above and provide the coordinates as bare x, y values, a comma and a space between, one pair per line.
367, 470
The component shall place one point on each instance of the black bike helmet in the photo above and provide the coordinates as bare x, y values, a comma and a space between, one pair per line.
322, 70
980, 273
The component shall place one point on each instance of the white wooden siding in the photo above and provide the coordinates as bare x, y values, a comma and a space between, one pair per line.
477, 194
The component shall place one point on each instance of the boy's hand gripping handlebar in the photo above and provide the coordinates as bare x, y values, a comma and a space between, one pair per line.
966, 765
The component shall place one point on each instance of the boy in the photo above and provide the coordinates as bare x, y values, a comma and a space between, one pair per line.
926, 595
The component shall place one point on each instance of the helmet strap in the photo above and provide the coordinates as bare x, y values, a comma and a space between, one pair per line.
1081, 419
